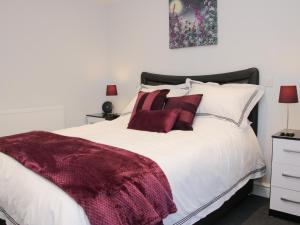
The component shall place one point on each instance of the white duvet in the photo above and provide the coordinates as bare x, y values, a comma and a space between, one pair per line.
205, 167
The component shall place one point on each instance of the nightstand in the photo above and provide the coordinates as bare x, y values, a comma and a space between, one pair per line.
98, 117
285, 180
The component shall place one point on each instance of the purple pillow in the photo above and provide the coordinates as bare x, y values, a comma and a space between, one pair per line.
161, 121
150, 101
188, 105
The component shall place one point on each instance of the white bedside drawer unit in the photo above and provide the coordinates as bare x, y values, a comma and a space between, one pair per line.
286, 176
286, 151
285, 179
285, 201
98, 117
92, 120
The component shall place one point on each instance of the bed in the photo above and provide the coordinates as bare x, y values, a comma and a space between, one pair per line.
227, 166
249, 76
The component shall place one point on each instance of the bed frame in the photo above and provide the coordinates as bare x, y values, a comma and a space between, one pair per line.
249, 76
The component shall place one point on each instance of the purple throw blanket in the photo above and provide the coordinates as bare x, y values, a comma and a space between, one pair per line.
113, 186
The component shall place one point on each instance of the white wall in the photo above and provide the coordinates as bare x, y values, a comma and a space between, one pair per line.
263, 34
53, 53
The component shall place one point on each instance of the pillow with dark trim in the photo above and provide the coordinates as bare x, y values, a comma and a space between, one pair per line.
161, 121
154, 100
232, 102
188, 105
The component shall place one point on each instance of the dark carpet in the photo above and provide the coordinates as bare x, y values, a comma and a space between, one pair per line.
252, 211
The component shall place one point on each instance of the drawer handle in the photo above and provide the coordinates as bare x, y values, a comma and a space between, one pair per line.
291, 151
288, 200
290, 176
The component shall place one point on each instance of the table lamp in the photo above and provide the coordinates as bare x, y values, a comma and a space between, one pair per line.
288, 95
111, 90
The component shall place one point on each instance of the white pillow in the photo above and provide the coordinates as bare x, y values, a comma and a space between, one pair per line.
232, 102
130, 106
259, 94
175, 91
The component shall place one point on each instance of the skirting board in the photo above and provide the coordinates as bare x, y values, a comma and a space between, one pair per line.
261, 189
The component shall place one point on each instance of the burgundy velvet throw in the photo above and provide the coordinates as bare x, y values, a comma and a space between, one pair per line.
114, 186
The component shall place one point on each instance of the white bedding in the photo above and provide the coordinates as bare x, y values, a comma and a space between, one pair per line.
205, 167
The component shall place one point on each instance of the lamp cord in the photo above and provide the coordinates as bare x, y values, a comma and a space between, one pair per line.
288, 115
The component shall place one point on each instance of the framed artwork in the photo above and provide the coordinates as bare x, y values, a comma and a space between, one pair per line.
192, 23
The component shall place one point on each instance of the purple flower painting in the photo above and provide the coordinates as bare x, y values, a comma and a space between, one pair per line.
192, 23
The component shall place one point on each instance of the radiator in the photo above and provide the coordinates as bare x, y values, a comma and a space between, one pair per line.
27, 119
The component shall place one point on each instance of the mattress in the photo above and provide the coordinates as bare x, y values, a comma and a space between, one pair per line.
205, 167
